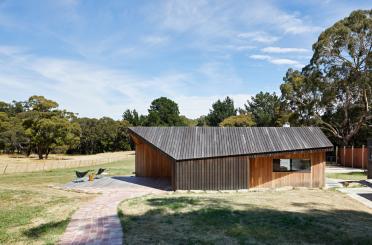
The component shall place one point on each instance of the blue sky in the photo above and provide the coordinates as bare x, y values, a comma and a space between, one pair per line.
98, 58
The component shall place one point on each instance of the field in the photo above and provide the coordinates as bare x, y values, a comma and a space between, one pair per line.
290, 217
20, 163
31, 212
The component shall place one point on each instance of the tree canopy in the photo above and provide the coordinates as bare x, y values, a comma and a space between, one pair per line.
335, 89
244, 120
221, 110
265, 109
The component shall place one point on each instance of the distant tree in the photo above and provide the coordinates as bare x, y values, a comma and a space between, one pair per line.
48, 128
238, 121
132, 117
12, 134
201, 121
184, 121
163, 112
265, 109
221, 110
335, 89
41, 104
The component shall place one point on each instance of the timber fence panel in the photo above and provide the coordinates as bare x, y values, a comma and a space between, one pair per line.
355, 157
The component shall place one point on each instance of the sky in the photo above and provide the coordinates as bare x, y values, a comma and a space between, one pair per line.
99, 58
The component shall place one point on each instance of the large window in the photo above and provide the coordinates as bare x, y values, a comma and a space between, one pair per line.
291, 165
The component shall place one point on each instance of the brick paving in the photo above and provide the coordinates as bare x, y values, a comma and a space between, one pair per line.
97, 222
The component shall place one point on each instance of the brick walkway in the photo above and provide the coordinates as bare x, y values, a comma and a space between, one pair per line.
97, 222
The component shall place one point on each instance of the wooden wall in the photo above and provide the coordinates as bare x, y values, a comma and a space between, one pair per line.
224, 173
150, 162
262, 175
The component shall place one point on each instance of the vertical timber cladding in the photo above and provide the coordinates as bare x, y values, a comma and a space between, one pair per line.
223, 173
151, 162
262, 175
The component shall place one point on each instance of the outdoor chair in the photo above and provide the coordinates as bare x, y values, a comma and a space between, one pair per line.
99, 173
80, 175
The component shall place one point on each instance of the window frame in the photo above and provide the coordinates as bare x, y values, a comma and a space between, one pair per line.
308, 170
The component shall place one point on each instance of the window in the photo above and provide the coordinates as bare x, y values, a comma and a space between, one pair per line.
291, 165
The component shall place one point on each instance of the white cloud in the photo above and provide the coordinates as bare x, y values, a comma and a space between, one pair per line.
156, 40
259, 36
283, 50
95, 91
260, 57
277, 61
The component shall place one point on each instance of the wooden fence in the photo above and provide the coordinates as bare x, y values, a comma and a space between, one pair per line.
7, 168
354, 157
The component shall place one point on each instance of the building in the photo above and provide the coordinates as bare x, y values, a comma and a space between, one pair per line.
215, 158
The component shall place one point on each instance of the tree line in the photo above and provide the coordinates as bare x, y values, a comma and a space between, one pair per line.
333, 92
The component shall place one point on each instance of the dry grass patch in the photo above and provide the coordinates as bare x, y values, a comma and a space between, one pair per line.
33, 213
298, 216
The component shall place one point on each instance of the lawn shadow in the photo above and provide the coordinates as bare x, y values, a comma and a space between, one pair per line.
45, 228
213, 221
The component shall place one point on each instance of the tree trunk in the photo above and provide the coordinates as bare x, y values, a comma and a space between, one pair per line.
47, 153
40, 153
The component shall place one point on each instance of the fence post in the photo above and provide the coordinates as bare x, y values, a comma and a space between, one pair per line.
336, 154
344, 155
352, 156
362, 156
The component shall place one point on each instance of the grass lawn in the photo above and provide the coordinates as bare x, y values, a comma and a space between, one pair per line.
290, 217
348, 176
31, 212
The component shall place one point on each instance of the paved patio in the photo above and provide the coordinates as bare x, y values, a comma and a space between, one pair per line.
341, 169
97, 222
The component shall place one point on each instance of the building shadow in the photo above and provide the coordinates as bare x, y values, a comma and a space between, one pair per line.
156, 183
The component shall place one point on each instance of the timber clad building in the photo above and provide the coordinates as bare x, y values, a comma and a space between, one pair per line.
214, 158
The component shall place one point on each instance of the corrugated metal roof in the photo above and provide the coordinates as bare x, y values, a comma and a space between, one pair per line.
183, 143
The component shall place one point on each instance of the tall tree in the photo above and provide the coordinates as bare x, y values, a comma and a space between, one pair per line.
335, 89
265, 109
221, 110
132, 117
163, 112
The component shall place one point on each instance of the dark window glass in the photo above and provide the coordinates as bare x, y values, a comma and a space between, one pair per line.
291, 165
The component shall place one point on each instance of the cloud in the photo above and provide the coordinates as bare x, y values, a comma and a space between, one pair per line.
95, 91
280, 50
155, 40
277, 61
259, 36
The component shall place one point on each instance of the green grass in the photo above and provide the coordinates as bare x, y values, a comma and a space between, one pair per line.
31, 212
348, 176
291, 217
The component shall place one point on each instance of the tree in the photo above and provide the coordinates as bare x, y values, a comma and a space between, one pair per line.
48, 128
132, 117
220, 110
184, 121
238, 121
41, 104
265, 109
201, 121
51, 133
163, 112
12, 134
335, 89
